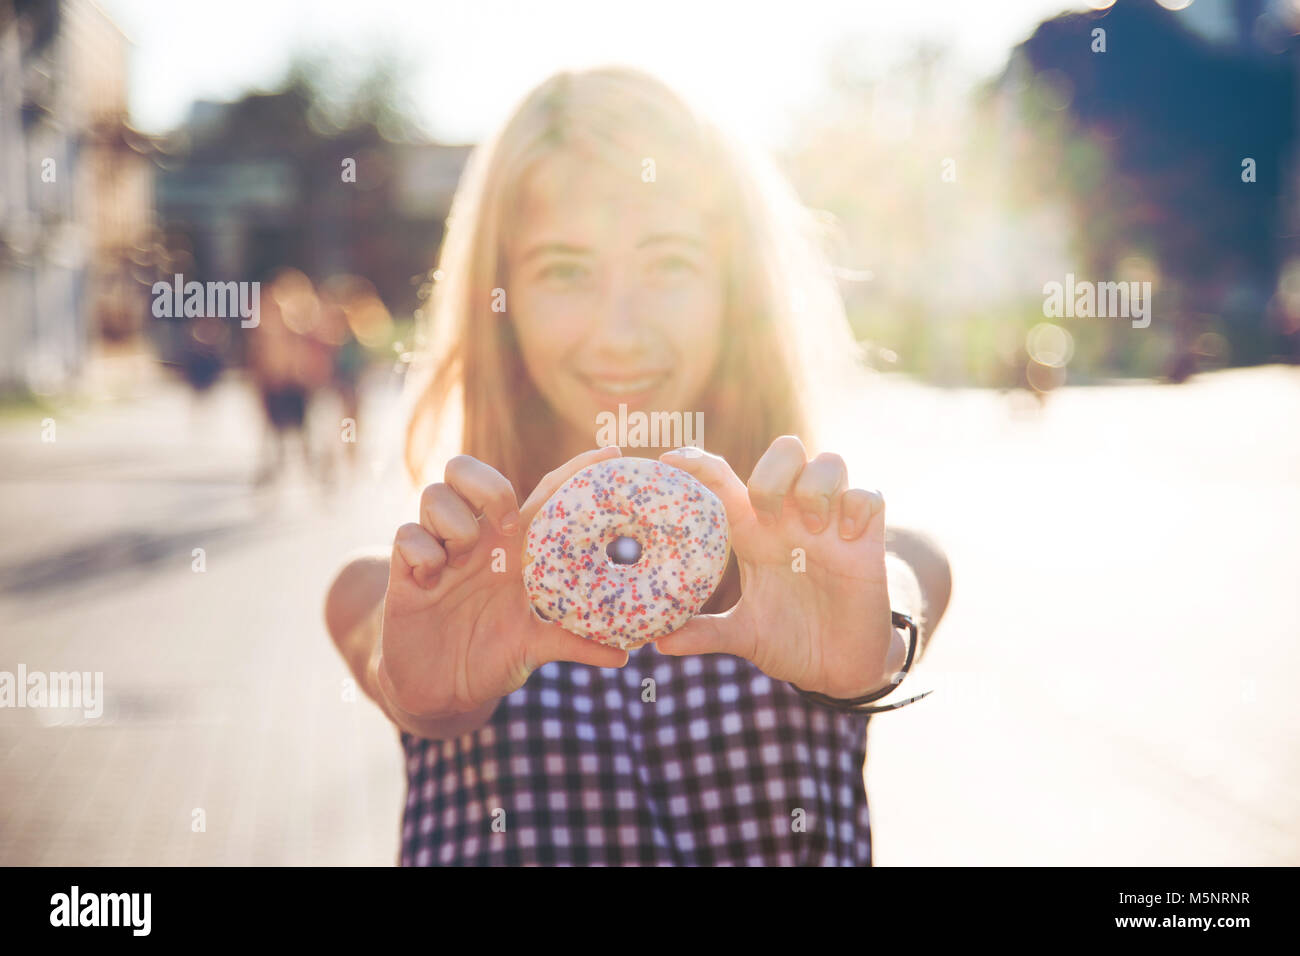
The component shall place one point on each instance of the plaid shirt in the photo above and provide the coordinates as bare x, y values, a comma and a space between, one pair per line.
726, 767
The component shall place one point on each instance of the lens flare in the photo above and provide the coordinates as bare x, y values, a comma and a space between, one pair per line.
1050, 345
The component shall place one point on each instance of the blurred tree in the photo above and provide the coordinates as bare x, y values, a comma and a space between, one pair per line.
1149, 149
258, 184
1122, 165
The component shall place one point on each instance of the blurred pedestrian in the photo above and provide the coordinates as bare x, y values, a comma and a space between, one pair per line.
342, 299
288, 363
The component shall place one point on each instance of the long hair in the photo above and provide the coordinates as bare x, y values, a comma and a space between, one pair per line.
786, 345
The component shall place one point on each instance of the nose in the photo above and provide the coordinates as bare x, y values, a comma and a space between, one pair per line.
619, 325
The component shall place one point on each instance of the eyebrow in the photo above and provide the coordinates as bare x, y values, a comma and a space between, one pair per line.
565, 248
561, 248
668, 237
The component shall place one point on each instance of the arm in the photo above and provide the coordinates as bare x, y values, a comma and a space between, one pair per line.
920, 583
354, 617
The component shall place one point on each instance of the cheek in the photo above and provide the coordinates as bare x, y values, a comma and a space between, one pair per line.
546, 334
695, 324
539, 351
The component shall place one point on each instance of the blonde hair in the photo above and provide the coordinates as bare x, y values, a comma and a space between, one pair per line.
786, 343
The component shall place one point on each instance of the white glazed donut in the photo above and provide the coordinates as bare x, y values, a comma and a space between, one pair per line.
577, 548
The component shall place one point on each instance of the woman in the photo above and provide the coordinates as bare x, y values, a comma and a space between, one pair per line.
608, 247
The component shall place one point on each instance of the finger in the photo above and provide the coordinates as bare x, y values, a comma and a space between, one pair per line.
715, 474
550, 642
487, 491
774, 476
857, 508
447, 516
818, 489
709, 634
416, 556
552, 481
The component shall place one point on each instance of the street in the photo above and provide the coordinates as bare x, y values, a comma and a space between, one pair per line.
1111, 679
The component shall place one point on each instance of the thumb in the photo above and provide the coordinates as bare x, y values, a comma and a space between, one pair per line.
546, 642
714, 473
709, 634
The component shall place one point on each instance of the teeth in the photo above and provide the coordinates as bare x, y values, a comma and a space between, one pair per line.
625, 387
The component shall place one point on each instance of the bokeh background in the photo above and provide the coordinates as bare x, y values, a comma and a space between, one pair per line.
1119, 504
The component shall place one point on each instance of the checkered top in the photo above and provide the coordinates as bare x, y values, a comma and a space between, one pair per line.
575, 768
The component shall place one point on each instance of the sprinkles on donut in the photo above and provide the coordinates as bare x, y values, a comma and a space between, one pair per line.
626, 551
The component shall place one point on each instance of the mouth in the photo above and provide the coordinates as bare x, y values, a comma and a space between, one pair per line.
626, 389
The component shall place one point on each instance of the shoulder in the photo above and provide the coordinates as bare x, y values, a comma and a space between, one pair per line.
357, 588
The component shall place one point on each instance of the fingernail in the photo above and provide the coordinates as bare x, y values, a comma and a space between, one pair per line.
510, 523
811, 521
846, 528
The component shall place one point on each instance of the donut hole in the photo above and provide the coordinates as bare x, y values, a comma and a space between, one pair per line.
623, 550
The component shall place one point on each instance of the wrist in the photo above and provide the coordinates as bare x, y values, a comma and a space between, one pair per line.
894, 659
360, 649
386, 695
429, 726
856, 705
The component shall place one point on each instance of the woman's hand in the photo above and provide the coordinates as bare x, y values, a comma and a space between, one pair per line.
457, 628
819, 619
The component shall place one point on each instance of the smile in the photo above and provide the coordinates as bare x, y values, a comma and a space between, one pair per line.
625, 386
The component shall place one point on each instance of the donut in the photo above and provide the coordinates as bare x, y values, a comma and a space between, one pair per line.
626, 551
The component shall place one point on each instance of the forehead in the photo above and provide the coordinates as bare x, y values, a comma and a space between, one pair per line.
564, 195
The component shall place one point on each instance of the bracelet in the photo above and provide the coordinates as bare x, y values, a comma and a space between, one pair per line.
852, 705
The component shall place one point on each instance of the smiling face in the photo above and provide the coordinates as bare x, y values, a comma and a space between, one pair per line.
615, 292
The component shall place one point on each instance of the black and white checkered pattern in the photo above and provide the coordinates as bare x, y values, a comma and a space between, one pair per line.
581, 771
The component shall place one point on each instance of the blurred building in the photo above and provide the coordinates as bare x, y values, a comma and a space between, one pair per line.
262, 184
75, 193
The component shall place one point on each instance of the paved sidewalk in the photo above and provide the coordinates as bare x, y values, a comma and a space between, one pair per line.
223, 691
1115, 679
1112, 680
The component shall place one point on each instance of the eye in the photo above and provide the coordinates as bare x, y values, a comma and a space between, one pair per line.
563, 272
674, 265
